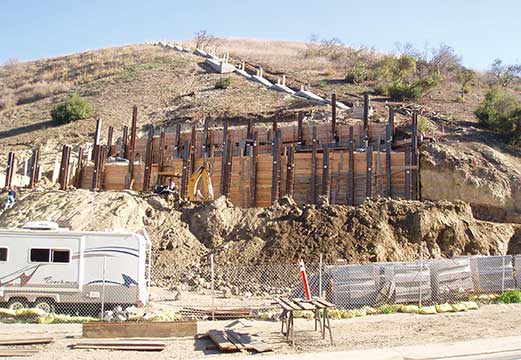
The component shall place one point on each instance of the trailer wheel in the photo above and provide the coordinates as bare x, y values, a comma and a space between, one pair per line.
46, 305
17, 303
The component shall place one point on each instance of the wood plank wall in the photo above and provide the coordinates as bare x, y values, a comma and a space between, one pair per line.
115, 176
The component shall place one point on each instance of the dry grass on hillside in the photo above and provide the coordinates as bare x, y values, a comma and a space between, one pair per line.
167, 86
327, 75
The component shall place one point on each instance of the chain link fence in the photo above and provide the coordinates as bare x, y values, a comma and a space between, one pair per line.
216, 290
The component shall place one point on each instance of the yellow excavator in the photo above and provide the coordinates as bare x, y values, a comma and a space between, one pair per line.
200, 187
200, 175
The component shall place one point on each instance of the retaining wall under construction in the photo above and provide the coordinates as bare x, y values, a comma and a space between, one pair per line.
251, 165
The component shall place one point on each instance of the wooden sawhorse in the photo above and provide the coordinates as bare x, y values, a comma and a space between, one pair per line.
315, 305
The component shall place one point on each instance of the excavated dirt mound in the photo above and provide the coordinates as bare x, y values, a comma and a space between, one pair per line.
378, 230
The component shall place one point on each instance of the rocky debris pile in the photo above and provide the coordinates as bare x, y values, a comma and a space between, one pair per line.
242, 241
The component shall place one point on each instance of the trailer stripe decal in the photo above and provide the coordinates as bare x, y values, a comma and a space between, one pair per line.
109, 251
127, 281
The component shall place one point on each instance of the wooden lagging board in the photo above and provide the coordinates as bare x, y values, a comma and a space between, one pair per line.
116, 176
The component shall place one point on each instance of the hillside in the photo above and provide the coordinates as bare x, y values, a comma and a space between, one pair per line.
170, 87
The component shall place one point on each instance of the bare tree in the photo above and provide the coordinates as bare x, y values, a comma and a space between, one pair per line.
443, 59
204, 40
504, 74
408, 49
328, 48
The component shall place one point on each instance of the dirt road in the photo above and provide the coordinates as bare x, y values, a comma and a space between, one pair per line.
381, 331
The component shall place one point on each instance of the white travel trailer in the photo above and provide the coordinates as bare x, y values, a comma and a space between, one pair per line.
42, 265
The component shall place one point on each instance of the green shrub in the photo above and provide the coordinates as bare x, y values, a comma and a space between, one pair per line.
510, 297
358, 74
401, 79
399, 91
501, 113
223, 83
73, 108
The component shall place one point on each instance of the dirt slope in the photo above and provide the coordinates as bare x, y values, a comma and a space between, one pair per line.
475, 172
378, 230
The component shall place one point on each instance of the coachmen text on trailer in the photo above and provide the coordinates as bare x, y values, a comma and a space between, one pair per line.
42, 265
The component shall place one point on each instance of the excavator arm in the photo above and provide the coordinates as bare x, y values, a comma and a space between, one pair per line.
202, 173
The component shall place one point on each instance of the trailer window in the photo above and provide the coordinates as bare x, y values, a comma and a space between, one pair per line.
40, 255
3, 254
50, 255
61, 256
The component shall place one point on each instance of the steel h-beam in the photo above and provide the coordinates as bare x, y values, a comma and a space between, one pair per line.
276, 163
35, 160
124, 143
132, 150
109, 141
64, 167
333, 119
97, 135
9, 173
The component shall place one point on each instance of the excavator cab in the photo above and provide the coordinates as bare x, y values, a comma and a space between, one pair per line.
200, 187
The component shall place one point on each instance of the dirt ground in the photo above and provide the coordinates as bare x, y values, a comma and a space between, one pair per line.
380, 331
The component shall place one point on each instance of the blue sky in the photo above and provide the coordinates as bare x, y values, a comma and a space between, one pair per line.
479, 30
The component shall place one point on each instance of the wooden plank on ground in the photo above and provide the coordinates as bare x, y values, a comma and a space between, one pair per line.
248, 341
120, 347
121, 342
221, 340
26, 341
139, 329
18, 352
234, 339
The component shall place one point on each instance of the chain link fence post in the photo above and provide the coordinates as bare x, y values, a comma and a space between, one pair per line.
502, 274
321, 263
103, 287
212, 274
420, 282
